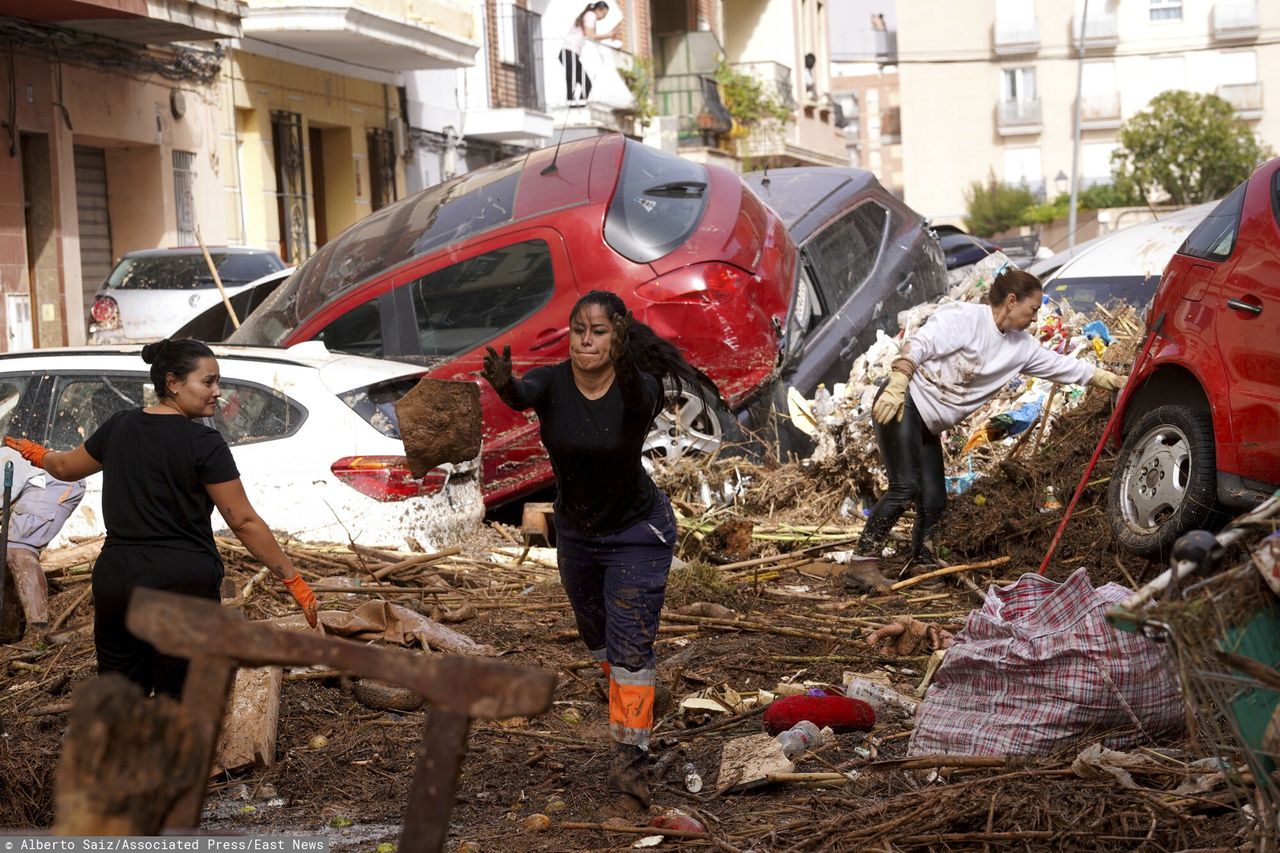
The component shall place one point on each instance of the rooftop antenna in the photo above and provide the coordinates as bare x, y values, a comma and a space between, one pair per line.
550, 168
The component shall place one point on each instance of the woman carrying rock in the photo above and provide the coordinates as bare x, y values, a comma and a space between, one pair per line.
615, 530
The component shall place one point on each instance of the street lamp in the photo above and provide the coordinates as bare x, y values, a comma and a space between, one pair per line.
1061, 181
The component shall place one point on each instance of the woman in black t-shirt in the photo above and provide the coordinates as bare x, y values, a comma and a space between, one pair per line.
163, 473
615, 531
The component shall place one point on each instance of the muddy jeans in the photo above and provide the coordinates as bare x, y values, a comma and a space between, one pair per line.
912, 457
616, 584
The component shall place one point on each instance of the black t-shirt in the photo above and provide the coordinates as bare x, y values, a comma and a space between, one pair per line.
154, 470
595, 444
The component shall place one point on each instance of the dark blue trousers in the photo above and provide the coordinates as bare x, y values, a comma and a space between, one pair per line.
616, 584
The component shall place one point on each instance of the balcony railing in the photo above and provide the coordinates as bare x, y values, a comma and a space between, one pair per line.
1100, 30
1236, 20
774, 78
695, 100
1245, 98
1035, 187
1019, 115
1099, 109
1018, 35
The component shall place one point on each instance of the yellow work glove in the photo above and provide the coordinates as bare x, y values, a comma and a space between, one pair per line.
1106, 380
301, 592
892, 401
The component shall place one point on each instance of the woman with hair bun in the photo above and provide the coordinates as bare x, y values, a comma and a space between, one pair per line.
958, 360
163, 473
615, 531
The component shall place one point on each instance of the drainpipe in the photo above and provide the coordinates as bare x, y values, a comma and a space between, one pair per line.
1075, 144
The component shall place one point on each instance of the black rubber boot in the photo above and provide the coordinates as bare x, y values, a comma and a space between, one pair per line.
629, 776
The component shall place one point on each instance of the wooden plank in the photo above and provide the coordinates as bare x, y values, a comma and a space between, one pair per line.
435, 782
186, 626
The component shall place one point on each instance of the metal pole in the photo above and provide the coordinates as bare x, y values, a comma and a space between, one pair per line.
1075, 144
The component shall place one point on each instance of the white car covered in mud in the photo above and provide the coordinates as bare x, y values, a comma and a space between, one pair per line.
313, 433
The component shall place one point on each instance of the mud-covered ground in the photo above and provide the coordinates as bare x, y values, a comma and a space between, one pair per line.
794, 625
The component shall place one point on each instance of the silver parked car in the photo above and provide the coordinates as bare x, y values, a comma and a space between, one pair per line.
150, 293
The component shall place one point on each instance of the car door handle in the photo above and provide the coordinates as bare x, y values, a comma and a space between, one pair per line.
1240, 305
904, 286
549, 337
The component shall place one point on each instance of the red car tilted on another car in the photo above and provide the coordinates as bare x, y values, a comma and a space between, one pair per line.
500, 255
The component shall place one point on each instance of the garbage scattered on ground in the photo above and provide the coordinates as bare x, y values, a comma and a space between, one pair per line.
758, 617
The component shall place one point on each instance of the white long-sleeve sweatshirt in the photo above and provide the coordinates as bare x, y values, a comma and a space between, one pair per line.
962, 359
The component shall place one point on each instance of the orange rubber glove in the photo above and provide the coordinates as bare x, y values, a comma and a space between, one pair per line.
302, 594
32, 452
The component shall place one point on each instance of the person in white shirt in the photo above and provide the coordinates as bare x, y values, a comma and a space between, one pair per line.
577, 83
954, 364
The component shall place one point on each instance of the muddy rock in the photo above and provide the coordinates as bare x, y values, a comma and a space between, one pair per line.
439, 423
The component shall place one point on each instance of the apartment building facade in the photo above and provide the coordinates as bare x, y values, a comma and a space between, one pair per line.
992, 91
108, 147
312, 111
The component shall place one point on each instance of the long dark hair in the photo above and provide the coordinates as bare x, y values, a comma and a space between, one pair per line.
647, 349
178, 357
591, 7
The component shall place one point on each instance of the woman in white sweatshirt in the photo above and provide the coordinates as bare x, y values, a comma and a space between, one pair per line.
954, 364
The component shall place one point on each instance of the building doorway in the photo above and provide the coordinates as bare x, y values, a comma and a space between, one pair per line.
315, 141
94, 218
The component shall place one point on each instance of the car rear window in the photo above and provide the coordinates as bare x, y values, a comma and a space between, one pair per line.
377, 403
1215, 237
659, 202
189, 272
443, 214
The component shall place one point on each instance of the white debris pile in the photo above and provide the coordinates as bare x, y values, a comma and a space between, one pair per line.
839, 420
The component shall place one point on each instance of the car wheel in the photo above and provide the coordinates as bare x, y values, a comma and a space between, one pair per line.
1165, 480
691, 425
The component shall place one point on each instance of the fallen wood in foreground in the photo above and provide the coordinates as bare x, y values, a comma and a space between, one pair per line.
949, 570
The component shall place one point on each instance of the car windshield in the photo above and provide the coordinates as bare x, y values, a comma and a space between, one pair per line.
437, 216
659, 203
1085, 293
190, 271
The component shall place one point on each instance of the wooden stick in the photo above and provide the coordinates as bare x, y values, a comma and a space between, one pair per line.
217, 279
57, 623
812, 549
949, 570
1044, 418
416, 560
634, 830
929, 762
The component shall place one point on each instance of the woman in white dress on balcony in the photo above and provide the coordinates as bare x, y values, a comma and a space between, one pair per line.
577, 83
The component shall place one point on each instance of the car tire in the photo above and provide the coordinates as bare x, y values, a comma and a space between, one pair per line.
700, 424
1165, 480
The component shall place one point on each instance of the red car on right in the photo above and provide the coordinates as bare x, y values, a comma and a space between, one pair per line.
1201, 430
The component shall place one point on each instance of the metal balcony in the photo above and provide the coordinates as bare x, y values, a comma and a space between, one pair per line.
1099, 112
1100, 31
1245, 99
1236, 21
1016, 36
773, 77
386, 35
1018, 116
1035, 187
152, 22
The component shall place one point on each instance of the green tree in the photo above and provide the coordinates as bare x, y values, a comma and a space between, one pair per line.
994, 207
1189, 146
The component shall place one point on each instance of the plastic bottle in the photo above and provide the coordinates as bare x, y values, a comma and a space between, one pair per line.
1051, 502
885, 700
692, 779
799, 738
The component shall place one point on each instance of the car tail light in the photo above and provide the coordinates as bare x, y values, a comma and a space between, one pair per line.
713, 282
105, 313
386, 478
